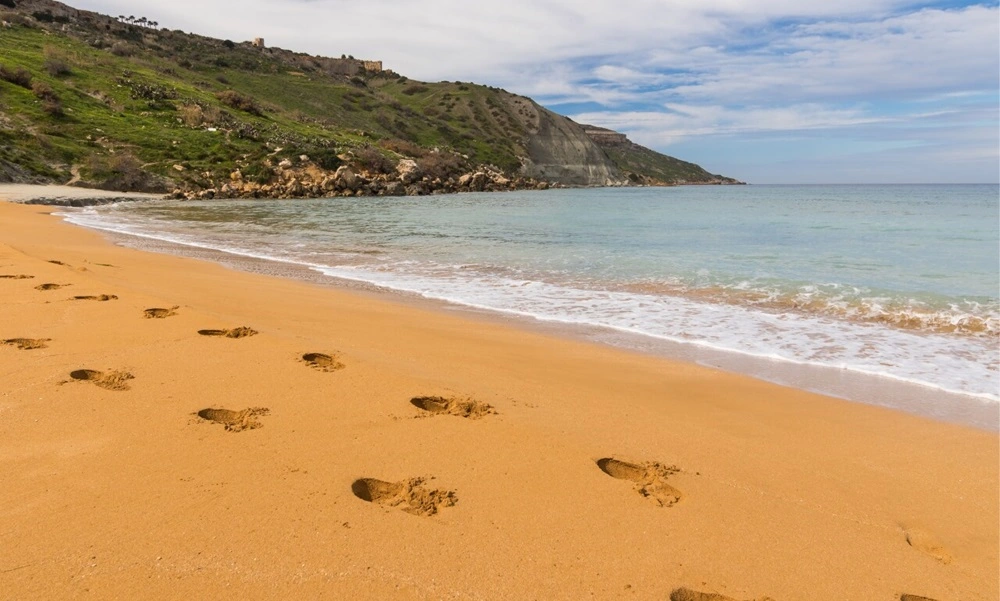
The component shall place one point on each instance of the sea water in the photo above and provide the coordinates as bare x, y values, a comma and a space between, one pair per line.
894, 282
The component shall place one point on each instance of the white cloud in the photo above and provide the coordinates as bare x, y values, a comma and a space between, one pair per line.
895, 57
659, 129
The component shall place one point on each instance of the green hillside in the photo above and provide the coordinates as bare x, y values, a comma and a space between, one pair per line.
118, 103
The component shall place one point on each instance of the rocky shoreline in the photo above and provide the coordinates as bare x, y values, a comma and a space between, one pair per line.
307, 180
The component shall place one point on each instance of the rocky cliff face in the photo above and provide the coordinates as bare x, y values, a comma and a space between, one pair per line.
559, 151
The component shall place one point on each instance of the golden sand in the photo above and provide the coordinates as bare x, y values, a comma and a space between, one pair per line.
333, 455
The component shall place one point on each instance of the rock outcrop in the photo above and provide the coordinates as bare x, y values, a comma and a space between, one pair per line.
307, 180
559, 151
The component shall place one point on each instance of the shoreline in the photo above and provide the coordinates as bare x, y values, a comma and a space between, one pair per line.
68, 196
130, 493
856, 386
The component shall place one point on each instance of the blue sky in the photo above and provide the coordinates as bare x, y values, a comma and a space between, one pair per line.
767, 91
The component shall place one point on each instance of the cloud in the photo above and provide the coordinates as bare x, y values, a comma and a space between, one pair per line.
895, 57
662, 128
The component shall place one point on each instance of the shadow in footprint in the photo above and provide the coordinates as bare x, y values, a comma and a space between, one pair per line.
374, 490
100, 297
54, 262
650, 479
51, 286
240, 332
113, 380
926, 543
19, 276
27, 344
408, 495
461, 407
686, 594
322, 362
906, 597
235, 421
159, 313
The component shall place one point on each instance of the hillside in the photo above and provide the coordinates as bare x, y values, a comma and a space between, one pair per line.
120, 104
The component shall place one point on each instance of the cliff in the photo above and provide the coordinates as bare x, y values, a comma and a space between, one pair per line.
559, 150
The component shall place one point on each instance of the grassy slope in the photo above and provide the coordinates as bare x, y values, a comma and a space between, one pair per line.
635, 159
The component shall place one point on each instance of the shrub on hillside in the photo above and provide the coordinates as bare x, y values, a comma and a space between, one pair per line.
43, 91
122, 49
238, 101
403, 147
246, 131
151, 92
325, 157
191, 115
121, 172
374, 161
441, 165
57, 67
412, 89
257, 172
19, 76
52, 106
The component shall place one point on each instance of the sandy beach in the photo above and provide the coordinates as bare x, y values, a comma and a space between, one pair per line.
173, 429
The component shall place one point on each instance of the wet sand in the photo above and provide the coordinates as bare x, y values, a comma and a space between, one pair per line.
184, 430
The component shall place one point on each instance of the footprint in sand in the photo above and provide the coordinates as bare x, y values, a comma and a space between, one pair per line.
408, 495
905, 597
54, 262
322, 362
925, 542
686, 594
19, 276
158, 313
235, 421
112, 380
27, 344
466, 407
99, 297
240, 332
51, 286
650, 478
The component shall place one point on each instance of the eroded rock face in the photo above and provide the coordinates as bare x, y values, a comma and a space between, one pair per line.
561, 152
408, 171
395, 189
345, 178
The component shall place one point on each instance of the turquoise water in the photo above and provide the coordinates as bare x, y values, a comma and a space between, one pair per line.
895, 281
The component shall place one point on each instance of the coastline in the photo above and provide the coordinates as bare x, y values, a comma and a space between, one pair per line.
772, 478
884, 379
872, 389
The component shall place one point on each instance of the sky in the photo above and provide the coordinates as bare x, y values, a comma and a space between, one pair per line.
766, 91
